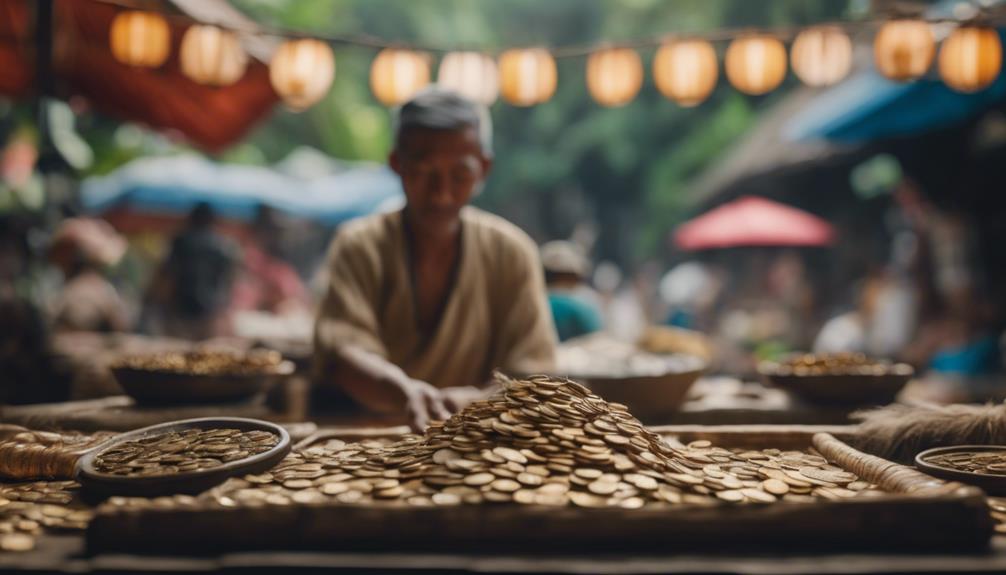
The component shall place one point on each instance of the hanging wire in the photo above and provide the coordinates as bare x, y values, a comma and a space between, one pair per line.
785, 33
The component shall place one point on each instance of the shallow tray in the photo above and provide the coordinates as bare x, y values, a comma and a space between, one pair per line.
992, 484
96, 483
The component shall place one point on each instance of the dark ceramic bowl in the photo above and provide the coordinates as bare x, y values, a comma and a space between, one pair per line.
97, 483
991, 484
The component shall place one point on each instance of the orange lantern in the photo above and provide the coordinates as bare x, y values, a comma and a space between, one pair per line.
686, 71
141, 39
396, 75
212, 56
527, 77
821, 56
756, 64
301, 72
903, 49
614, 76
471, 74
971, 58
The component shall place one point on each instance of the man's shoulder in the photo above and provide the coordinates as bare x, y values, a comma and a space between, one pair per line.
365, 230
499, 231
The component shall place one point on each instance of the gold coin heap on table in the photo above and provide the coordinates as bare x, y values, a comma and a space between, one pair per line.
182, 451
28, 508
541, 441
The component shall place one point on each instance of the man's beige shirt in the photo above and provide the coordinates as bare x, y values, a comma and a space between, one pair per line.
496, 315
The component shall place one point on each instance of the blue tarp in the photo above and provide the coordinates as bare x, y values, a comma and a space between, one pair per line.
175, 184
868, 107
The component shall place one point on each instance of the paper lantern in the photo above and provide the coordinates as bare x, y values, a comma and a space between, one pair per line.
471, 74
527, 77
396, 75
140, 39
971, 58
756, 65
301, 72
686, 71
821, 56
903, 49
614, 76
212, 56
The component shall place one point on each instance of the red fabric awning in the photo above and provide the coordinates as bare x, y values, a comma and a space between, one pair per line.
754, 221
164, 99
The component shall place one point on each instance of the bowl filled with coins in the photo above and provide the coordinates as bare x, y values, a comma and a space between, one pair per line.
979, 465
652, 385
199, 376
186, 456
838, 378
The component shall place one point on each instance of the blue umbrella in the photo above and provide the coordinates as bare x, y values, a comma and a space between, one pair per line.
175, 184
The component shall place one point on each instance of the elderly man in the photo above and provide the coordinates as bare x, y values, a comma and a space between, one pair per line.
424, 303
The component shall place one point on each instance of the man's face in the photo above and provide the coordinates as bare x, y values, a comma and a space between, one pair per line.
440, 171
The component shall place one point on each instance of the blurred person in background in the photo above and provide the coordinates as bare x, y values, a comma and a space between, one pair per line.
83, 249
574, 304
265, 282
190, 293
423, 303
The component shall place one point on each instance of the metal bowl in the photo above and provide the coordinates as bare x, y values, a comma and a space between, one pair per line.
95, 482
839, 388
991, 484
149, 386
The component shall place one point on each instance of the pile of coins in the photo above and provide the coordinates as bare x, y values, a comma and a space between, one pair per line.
601, 356
542, 442
204, 362
987, 462
28, 508
182, 451
839, 364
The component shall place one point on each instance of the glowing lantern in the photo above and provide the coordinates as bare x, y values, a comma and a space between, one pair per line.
614, 76
212, 56
822, 55
756, 64
396, 75
302, 71
140, 39
471, 74
686, 71
971, 58
904, 49
527, 77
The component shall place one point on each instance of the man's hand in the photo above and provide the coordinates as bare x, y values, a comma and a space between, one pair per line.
425, 402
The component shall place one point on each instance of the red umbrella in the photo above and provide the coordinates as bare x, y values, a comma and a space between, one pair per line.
754, 221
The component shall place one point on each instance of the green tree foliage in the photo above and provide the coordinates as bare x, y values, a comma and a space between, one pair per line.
565, 161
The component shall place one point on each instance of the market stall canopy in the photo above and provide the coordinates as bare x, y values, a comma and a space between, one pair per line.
164, 99
754, 221
868, 107
172, 186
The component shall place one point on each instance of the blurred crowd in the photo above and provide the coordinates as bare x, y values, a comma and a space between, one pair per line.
925, 305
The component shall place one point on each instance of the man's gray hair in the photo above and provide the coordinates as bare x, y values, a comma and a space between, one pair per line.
438, 108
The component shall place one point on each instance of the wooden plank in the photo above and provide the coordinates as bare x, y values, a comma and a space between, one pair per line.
954, 519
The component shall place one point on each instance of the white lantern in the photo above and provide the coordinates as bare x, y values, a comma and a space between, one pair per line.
821, 56
301, 72
141, 39
527, 77
471, 74
212, 56
396, 75
614, 76
903, 49
756, 64
971, 58
686, 71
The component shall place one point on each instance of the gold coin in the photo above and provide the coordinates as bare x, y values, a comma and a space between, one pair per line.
775, 486
17, 542
478, 479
